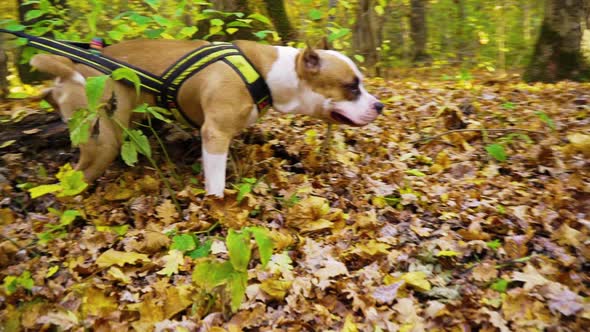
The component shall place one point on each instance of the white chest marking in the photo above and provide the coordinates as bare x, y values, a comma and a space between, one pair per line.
214, 168
283, 82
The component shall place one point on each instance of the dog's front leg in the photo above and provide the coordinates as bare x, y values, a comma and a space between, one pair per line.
215, 146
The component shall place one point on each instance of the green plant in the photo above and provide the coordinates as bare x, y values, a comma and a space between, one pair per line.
546, 120
53, 232
232, 275
497, 151
190, 246
71, 183
12, 283
245, 187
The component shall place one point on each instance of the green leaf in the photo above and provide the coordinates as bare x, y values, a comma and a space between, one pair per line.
509, 105
10, 284
238, 246
264, 242
209, 275
188, 31
315, 14
68, 216
72, 182
415, 172
79, 126
338, 34
156, 112
238, 24
237, 286
202, 251
216, 22
183, 242
25, 280
128, 75
500, 285
497, 151
153, 3
494, 245
379, 10
260, 18
14, 26
129, 153
546, 119
94, 90
359, 58
44, 190
33, 14
140, 19
140, 141
243, 190
231, 31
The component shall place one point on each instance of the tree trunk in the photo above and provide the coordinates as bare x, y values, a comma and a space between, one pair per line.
461, 45
501, 35
25, 72
225, 6
365, 39
3, 73
418, 30
558, 53
278, 16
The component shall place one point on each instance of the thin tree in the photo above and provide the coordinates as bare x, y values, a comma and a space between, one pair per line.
278, 16
418, 30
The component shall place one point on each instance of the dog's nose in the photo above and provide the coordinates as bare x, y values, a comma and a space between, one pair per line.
378, 107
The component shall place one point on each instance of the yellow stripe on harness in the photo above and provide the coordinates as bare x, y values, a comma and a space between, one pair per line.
197, 65
244, 67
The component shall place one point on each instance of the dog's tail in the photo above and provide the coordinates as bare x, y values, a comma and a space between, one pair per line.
55, 65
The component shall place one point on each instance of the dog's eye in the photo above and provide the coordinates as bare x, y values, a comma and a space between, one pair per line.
353, 88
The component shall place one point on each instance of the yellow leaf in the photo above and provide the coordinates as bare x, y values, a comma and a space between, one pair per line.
349, 325
580, 142
442, 162
167, 212
177, 299
173, 260
116, 273
276, 289
447, 253
114, 257
371, 248
51, 271
96, 303
417, 280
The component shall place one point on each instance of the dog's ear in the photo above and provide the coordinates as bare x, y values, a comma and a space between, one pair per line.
324, 44
311, 59
55, 65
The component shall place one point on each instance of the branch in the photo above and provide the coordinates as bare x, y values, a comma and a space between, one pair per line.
500, 130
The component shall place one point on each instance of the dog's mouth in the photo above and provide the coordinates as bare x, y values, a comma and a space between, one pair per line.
340, 118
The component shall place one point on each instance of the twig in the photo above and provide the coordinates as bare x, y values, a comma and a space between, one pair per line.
327, 144
498, 130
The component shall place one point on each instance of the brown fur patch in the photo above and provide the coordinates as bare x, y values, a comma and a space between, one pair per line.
333, 79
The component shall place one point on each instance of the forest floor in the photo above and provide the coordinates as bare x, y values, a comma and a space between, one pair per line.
464, 207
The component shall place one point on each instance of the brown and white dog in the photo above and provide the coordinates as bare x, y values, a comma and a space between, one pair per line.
320, 83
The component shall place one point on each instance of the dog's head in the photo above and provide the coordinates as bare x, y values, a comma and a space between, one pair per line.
334, 89
68, 93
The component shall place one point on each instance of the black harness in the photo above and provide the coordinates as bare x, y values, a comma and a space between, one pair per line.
164, 87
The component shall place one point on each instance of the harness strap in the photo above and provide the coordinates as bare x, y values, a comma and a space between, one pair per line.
149, 82
166, 87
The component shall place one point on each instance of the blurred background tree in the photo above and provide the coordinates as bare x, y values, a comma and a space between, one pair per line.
545, 39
